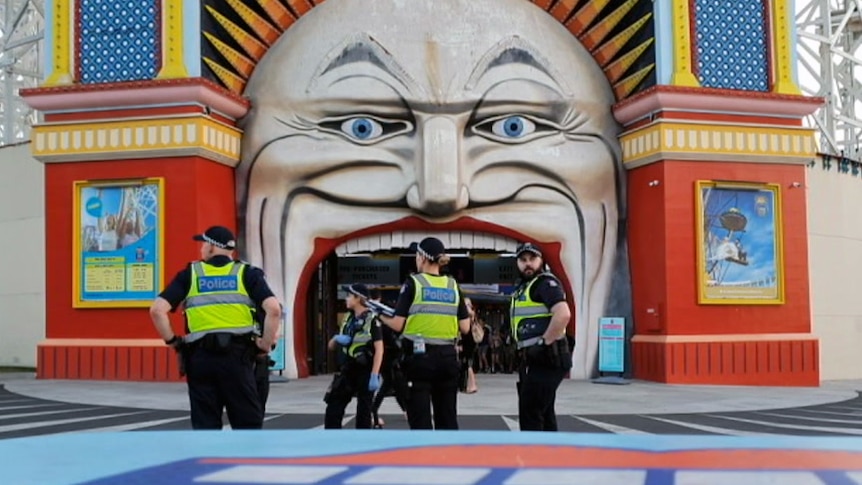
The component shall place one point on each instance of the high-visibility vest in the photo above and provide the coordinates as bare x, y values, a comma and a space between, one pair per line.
433, 314
343, 329
218, 301
528, 318
361, 334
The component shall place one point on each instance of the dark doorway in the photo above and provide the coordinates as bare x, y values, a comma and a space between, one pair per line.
485, 278
323, 307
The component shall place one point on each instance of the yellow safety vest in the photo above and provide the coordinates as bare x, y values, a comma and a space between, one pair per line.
361, 335
343, 330
218, 301
434, 311
524, 310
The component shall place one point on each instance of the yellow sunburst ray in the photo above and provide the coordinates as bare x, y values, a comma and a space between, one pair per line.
585, 16
255, 22
563, 9
281, 14
242, 64
597, 34
623, 88
616, 69
253, 47
609, 49
233, 82
278, 13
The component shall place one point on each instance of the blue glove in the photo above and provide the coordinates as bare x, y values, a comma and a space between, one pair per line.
342, 339
374, 382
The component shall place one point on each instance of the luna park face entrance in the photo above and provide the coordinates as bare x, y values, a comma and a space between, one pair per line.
486, 278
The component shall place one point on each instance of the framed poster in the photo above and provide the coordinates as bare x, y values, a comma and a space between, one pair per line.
117, 242
739, 243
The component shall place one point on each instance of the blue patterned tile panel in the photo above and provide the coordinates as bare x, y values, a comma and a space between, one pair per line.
119, 40
732, 47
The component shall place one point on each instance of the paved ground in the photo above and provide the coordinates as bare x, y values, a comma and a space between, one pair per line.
30, 407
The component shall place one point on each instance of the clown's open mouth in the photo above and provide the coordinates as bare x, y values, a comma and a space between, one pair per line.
304, 255
464, 237
290, 235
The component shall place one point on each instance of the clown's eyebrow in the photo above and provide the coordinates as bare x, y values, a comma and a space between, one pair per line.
363, 49
511, 51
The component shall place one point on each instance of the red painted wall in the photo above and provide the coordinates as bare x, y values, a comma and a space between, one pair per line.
663, 249
198, 193
646, 221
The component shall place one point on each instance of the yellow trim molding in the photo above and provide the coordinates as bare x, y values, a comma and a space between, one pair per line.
61, 73
683, 70
782, 59
681, 140
143, 138
173, 66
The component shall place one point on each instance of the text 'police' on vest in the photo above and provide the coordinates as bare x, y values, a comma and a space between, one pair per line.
217, 283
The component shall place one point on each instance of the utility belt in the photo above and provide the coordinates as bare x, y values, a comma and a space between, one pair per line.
364, 357
530, 342
418, 345
534, 352
221, 342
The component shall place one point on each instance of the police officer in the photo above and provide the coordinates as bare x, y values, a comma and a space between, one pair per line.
219, 296
361, 342
539, 316
430, 314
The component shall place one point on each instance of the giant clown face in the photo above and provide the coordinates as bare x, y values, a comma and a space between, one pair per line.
441, 117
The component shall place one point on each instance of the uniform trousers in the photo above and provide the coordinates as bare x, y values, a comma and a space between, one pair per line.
223, 379
432, 380
537, 395
353, 381
261, 377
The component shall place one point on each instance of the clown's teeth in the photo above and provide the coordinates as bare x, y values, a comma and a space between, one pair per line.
452, 240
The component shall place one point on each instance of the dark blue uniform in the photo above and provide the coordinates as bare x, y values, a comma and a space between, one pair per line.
221, 376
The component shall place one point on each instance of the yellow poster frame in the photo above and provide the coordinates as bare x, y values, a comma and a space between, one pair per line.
778, 242
78, 187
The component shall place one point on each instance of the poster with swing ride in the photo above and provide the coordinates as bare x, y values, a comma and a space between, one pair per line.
117, 242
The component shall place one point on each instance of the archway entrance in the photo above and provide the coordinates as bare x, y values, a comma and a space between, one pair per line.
486, 277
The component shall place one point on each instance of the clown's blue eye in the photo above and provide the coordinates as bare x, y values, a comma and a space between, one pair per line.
513, 127
362, 128
365, 129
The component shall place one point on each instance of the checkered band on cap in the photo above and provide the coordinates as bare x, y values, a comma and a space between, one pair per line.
214, 242
423, 253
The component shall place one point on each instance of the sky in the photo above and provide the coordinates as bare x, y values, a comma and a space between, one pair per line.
758, 238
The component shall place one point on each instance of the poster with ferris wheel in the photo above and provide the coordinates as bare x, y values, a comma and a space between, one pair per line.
739, 243
117, 242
